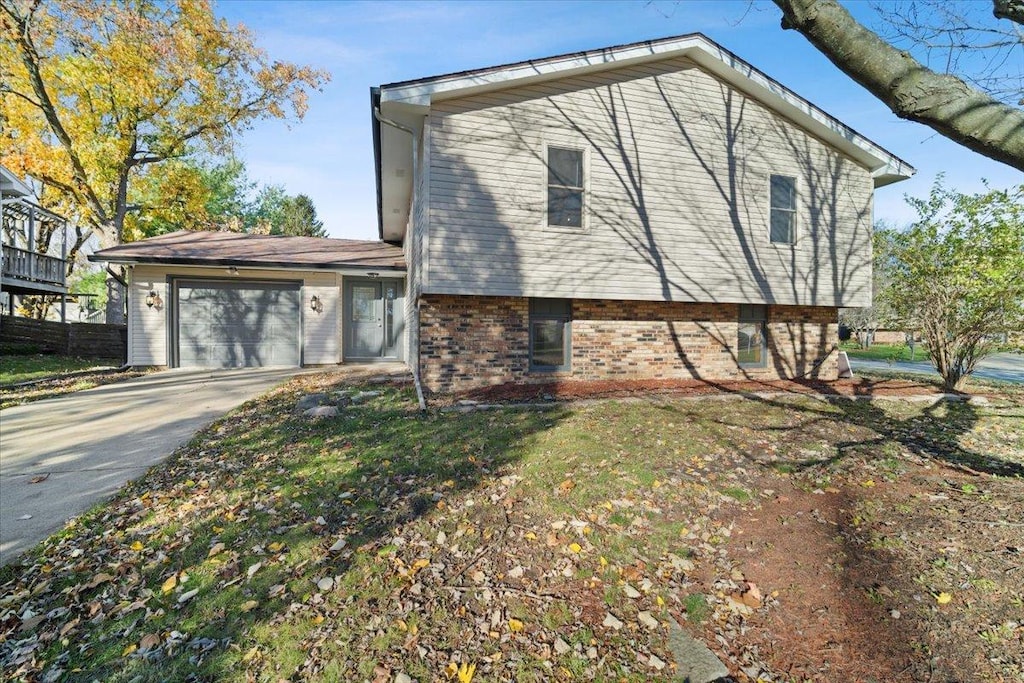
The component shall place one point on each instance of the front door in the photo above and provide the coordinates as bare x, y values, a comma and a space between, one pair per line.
373, 321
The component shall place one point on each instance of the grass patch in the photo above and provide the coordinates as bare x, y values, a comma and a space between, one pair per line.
15, 369
697, 608
885, 352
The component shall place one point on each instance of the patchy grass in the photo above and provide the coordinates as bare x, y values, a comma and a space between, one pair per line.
15, 369
538, 545
61, 385
885, 352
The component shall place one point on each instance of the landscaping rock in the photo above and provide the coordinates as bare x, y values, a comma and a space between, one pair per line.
695, 662
311, 401
362, 396
321, 411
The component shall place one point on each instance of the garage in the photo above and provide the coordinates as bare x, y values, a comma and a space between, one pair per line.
235, 323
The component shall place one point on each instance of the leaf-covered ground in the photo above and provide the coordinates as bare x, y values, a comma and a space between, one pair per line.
16, 368
800, 539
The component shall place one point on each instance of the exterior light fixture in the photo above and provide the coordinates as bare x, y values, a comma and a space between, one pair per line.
373, 275
151, 299
232, 270
315, 303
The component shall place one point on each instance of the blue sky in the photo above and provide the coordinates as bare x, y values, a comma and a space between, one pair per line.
329, 154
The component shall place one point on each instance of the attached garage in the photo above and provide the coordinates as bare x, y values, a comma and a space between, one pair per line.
230, 300
228, 324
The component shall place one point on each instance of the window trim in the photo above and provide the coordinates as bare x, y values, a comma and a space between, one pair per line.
566, 320
584, 212
763, 322
795, 210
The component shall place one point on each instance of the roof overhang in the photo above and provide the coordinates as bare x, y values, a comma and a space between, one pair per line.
345, 269
13, 186
407, 102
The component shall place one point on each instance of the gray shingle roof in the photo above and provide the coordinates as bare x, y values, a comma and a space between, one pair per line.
237, 249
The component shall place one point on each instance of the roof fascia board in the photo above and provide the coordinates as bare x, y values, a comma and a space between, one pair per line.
241, 263
462, 85
884, 166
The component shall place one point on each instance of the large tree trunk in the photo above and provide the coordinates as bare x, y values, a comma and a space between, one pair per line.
943, 102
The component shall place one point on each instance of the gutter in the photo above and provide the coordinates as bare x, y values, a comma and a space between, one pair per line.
379, 119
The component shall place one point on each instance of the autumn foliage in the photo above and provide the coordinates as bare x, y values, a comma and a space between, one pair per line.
100, 97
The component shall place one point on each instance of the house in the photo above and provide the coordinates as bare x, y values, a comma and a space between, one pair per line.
655, 210
25, 271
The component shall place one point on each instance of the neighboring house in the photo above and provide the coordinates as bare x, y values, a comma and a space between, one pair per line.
24, 271
650, 211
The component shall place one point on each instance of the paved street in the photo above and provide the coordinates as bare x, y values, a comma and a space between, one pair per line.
88, 444
1007, 367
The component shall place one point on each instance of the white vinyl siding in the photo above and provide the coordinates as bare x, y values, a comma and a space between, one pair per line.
676, 205
147, 327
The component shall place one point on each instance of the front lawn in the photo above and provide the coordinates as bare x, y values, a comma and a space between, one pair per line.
885, 352
801, 539
15, 368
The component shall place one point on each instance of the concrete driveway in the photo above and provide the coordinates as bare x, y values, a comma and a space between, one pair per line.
1006, 367
91, 442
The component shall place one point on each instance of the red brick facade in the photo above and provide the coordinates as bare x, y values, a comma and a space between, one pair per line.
473, 341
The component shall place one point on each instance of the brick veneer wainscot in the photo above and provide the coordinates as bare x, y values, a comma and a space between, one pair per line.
473, 341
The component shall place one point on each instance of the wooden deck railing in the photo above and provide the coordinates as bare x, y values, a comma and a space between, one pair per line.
29, 266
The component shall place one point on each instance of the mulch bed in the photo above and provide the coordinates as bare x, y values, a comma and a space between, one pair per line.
568, 390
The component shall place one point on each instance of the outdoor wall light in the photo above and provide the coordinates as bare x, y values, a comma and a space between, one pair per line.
373, 275
152, 299
232, 270
315, 303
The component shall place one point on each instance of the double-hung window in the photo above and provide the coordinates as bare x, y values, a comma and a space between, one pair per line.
550, 332
752, 339
783, 209
565, 187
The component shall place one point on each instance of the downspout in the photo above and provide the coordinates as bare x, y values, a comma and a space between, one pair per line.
416, 304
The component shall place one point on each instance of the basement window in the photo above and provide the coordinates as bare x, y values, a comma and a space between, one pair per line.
752, 337
550, 332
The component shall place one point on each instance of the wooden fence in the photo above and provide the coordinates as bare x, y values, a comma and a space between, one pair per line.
86, 340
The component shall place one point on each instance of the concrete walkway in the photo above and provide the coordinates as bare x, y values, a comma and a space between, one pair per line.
1006, 367
91, 442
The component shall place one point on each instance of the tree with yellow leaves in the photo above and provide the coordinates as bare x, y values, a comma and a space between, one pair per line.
97, 95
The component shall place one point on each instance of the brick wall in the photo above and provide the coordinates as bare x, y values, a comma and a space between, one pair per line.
469, 342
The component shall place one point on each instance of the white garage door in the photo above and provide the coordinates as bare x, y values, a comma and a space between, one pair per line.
238, 324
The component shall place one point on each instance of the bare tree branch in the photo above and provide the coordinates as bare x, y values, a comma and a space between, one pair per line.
943, 102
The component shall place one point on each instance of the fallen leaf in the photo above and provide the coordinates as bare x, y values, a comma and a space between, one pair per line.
169, 584
466, 672
39, 478
215, 549
137, 546
149, 641
943, 598
566, 486
610, 621
515, 625
248, 606
575, 547
102, 577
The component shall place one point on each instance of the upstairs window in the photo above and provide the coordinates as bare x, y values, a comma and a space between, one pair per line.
783, 211
565, 187
550, 333
752, 339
